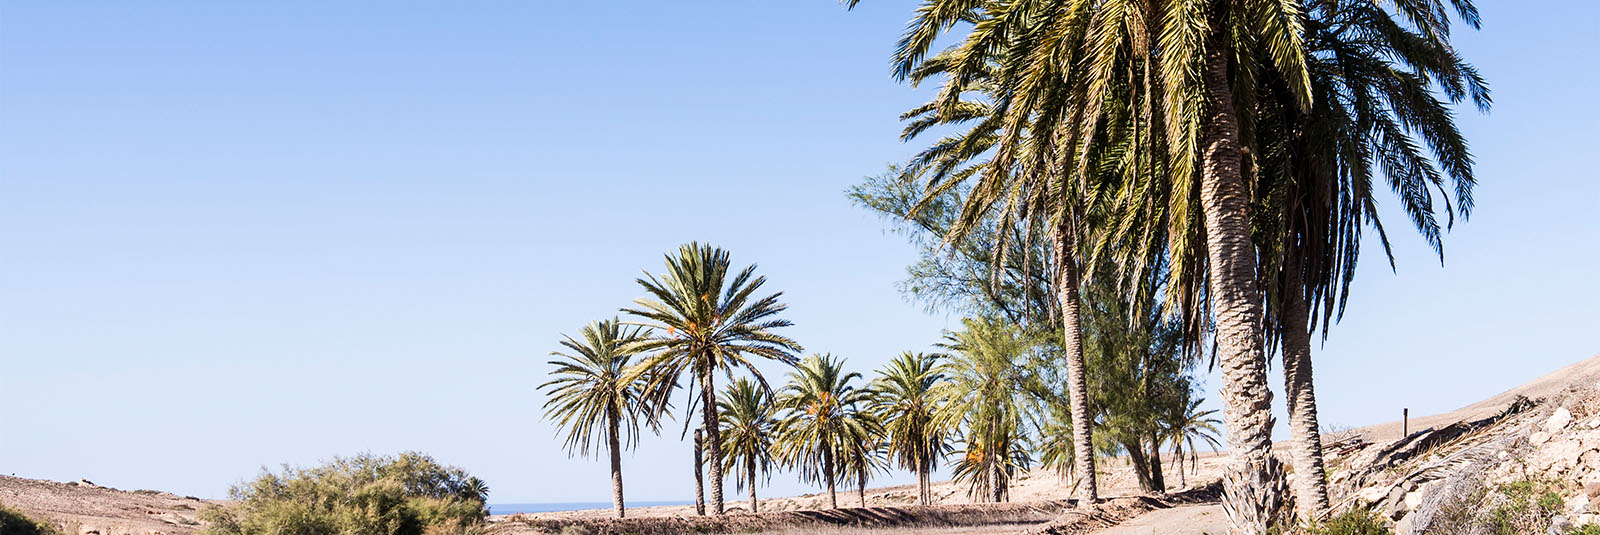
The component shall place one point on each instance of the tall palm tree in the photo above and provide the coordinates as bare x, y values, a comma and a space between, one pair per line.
1372, 86
747, 433
1024, 158
703, 324
592, 393
986, 400
1069, 64
906, 400
1183, 428
824, 413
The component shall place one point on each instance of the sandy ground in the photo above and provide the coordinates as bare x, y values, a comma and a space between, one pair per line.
1181, 520
81, 508
1037, 485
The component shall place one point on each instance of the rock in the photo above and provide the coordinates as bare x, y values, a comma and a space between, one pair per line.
1559, 525
1409, 485
1403, 526
1413, 500
1538, 438
1591, 486
88, 530
1397, 503
1578, 505
1559, 420
1372, 495
1594, 423
1584, 519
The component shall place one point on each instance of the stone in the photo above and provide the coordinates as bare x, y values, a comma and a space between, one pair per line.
1578, 505
1591, 486
1403, 526
1409, 485
1584, 519
1559, 420
1397, 503
1372, 494
1538, 438
1413, 500
1559, 525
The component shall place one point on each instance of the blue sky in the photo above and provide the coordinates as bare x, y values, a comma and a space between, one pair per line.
240, 235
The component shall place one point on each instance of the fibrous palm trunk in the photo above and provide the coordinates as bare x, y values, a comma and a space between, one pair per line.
1252, 496
614, 442
827, 473
699, 474
1306, 440
923, 494
750, 468
1071, 342
708, 402
861, 489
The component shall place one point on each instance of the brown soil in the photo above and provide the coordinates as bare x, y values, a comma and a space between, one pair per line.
81, 507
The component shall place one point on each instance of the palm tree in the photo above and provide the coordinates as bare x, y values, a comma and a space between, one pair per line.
747, 432
1183, 428
986, 401
1371, 89
906, 401
593, 392
825, 413
1025, 149
862, 454
702, 323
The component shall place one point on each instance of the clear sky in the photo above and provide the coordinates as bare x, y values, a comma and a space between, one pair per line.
235, 235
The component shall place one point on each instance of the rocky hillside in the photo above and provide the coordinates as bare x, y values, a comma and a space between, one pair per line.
1527, 463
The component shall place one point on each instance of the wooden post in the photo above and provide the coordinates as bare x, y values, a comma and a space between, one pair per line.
1405, 422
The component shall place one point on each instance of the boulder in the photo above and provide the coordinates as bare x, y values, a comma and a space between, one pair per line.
1559, 420
1579, 505
1403, 526
1397, 503
1413, 500
1371, 495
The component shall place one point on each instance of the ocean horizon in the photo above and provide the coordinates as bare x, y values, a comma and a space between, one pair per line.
551, 507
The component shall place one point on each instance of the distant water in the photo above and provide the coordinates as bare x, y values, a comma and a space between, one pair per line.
514, 508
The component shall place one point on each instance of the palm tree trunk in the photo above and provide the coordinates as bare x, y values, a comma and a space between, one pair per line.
699, 475
1071, 342
750, 468
1306, 439
923, 497
614, 442
708, 402
1252, 489
827, 473
1182, 483
861, 489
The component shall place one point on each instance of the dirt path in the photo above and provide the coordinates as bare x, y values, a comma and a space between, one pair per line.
1181, 520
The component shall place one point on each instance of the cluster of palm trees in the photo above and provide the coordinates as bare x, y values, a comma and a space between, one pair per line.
1218, 153
977, 399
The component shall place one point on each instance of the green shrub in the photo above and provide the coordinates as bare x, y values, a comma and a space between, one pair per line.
13, 522
1586, 529
1359, 522
408, 494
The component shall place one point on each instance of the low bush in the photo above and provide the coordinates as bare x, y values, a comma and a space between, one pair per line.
1360, 522
408, 494
13, 522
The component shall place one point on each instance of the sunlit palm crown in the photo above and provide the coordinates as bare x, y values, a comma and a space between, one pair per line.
825, 411
907, 398
592, 384
746, 416
702, 320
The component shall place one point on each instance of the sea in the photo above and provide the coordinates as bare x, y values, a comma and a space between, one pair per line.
514, 508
